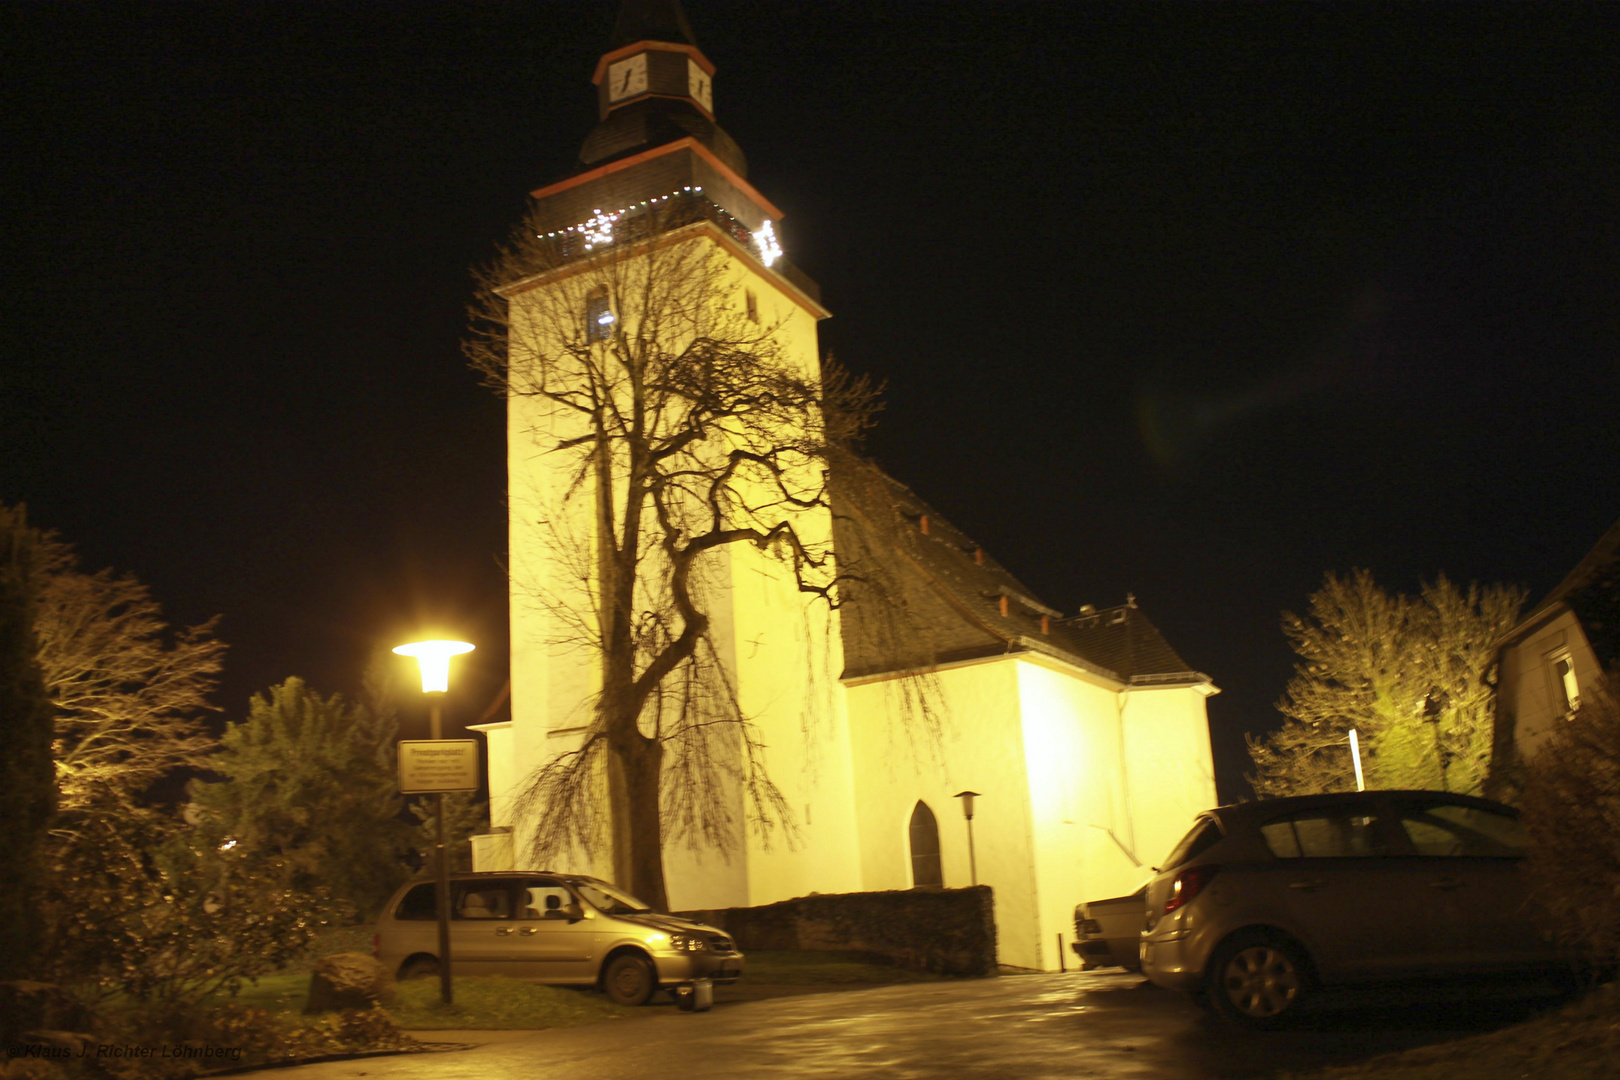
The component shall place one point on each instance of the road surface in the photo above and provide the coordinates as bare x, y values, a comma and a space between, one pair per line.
1096, 1024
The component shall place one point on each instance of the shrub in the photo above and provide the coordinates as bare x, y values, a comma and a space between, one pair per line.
1572, 811
142, 908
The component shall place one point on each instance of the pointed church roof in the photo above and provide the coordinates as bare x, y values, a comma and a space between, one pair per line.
666, 114
943, 598
651, 20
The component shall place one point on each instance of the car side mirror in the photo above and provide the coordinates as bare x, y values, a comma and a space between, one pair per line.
573, 912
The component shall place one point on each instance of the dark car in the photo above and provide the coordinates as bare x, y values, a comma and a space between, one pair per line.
1108, 933
1262, 903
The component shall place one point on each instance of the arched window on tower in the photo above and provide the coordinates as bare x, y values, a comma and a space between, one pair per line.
598, 315
925, 868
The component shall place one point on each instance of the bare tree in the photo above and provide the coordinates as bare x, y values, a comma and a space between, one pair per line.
1408, 673
128, 691
674, 426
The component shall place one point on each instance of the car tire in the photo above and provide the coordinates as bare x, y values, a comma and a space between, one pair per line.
1258, 980
420, 967
629, 980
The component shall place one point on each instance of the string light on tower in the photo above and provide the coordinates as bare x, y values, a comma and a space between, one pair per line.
765, 240
599, 229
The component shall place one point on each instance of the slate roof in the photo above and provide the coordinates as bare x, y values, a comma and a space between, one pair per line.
1592, 592
929, 594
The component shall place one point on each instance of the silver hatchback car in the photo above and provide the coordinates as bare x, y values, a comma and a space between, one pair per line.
556, 928
1263, 902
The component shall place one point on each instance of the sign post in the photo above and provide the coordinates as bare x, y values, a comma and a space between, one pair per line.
433, 767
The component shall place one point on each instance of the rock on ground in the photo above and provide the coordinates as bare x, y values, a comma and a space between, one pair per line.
348, 981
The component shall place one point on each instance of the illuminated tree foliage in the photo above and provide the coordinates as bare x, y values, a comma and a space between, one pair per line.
681, 429
1571, 808
129, 693
1408, 673
308, 782
27, 794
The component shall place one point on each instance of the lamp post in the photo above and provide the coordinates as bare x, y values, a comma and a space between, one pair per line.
967, 798
1355, 754
433, 658
1433, 708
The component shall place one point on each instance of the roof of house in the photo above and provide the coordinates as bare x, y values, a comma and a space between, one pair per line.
1592, 591
926, 593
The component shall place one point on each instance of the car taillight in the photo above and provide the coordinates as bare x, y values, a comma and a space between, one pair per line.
1188, 884
376, 946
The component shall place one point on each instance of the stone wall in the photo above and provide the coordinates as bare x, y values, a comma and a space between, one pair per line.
945, 931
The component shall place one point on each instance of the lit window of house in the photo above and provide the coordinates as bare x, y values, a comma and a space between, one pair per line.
1566, 691
598, 315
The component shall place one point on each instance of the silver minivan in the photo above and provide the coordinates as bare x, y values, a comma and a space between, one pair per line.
555, 928
1263, 902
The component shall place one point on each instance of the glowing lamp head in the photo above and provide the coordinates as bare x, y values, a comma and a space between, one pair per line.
433, 657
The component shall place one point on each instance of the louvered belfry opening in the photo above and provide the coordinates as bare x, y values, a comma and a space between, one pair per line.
925, 868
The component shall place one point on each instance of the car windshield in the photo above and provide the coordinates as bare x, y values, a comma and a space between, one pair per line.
606, 899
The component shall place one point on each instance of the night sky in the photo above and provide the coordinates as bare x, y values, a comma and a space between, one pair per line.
1191, 302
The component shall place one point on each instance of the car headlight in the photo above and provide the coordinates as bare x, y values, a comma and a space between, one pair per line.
687, 943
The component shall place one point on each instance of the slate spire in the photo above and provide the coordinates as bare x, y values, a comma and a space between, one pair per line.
651, 20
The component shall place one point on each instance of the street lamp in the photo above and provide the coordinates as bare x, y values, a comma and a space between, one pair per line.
967, 798
433, 658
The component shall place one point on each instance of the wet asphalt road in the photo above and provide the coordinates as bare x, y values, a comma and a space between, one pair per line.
1030, 1027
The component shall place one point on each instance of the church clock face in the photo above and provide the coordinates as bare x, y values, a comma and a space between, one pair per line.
697, 85
628, 77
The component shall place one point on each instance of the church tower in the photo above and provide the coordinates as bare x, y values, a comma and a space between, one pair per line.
658, 172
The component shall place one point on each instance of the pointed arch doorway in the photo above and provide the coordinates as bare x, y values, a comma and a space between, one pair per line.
926, 872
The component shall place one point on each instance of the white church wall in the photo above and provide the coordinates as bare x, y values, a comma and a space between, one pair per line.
981, 749
1069, 775
788, 685
1169, 770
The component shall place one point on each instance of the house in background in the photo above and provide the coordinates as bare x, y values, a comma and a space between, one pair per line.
1557, 652
1086, 737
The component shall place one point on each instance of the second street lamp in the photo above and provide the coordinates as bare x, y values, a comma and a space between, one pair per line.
433, 658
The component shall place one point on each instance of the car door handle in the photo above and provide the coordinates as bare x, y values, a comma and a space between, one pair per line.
528, 931
1447, 883
1308, 885
502, 931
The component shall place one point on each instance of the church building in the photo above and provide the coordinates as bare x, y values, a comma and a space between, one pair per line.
1083, 739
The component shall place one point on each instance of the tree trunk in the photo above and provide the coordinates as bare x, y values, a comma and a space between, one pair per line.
634, 772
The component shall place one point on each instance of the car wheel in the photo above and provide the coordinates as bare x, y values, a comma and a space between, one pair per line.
1258, 980
420, 967
629, 980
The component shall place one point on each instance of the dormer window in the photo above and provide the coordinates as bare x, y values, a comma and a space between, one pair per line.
598, 315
